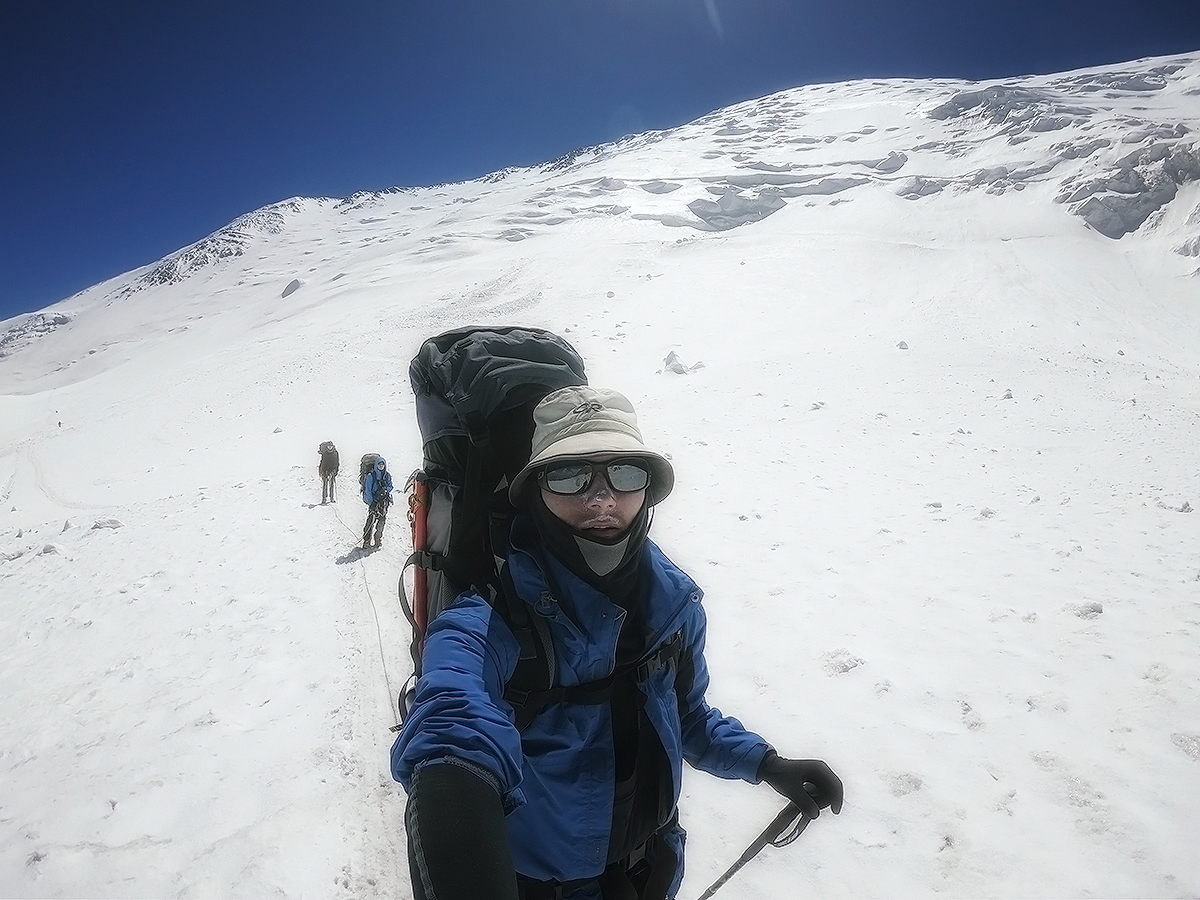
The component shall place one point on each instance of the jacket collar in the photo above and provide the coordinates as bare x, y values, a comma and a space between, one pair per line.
539, 577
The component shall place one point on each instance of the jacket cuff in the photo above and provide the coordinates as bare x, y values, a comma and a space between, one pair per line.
768, 754
509, 802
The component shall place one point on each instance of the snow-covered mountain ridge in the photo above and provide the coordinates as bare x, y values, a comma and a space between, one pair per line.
1114, 146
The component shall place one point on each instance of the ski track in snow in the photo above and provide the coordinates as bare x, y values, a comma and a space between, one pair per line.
933, 427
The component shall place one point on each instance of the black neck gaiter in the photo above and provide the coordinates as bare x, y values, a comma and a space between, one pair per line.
617, 578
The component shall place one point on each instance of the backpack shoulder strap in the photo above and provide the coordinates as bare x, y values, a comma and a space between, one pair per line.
533, 677
533, 687
528, 702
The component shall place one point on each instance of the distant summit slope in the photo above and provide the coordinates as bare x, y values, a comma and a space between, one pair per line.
1116, 147
227, 243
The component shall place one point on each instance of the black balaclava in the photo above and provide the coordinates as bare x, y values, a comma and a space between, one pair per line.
612, 567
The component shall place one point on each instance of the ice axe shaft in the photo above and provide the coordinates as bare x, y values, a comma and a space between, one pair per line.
770, 835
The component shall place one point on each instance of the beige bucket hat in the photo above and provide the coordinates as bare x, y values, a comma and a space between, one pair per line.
579, 422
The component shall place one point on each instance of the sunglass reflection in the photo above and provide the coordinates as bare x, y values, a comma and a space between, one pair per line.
623, 476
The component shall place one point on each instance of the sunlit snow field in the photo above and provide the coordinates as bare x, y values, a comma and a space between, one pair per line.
935, 422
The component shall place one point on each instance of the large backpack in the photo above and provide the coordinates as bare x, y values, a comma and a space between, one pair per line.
475, 393
329, 458
476, 389
365, 465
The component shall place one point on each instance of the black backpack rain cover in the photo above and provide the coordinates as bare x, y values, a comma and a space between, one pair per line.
475, 392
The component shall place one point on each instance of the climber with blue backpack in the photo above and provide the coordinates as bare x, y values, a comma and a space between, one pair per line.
561, 670
377, 494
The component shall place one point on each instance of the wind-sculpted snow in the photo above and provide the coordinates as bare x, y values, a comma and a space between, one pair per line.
916, 187
660, 187
1117, 83
732, 209
1015, 108
1071, 109
1118, 202
1136, 185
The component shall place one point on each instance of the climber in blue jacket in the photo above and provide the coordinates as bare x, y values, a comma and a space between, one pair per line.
377, 494
582, 802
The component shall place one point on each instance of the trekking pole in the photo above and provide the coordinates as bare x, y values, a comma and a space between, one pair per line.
771, 835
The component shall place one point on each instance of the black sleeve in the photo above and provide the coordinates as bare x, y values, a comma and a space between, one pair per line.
457, 840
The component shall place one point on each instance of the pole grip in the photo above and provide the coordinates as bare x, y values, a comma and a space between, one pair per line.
770, 834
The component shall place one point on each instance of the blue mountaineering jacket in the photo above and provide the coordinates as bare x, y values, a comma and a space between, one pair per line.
373, 482
557, 778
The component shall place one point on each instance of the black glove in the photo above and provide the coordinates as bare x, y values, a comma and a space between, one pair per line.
809, 783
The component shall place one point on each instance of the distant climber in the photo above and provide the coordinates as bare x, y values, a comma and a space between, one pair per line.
377, 494
328, 470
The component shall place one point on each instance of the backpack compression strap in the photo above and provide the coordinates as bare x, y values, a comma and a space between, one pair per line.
528, 702
531, 687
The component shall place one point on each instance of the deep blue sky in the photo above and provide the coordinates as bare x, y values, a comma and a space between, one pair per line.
131, 129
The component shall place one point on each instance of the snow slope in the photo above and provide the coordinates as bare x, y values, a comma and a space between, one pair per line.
935, 473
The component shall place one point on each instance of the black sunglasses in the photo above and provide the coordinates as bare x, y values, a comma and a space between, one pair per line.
623, 475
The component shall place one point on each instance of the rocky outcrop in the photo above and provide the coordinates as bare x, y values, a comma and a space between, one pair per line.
36, 326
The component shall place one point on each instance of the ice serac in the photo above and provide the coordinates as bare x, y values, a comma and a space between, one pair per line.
1117, 203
